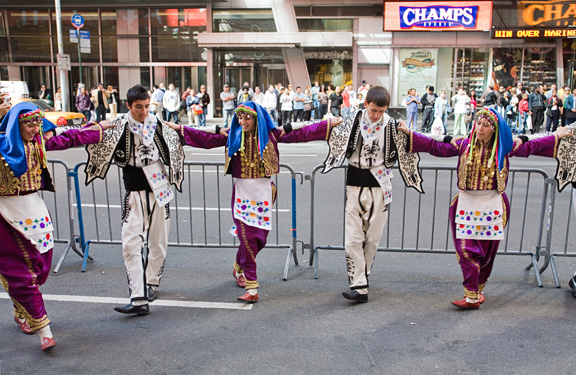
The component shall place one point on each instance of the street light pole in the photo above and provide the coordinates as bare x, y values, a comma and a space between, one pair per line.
63, 73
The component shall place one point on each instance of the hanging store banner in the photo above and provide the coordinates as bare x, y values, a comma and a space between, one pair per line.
551, 13
533, 33
418, 70
437, 15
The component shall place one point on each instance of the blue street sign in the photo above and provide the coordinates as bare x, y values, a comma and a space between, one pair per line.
77, 20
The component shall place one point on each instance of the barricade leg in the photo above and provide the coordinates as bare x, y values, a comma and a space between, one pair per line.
554, 272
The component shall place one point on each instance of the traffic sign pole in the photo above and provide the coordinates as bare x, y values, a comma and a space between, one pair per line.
79, 54
63, 73
78, 22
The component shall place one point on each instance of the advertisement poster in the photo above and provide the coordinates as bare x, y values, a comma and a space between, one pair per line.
418, 69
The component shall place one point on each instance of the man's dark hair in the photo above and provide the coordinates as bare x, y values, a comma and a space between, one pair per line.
378, 95
431, 88
137, 92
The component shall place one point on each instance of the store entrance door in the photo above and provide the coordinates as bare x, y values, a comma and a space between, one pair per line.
235, 76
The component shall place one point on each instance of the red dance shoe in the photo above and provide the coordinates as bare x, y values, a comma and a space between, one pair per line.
24, 326
248, 298
481, 299
240, 280
462, 304
48, 343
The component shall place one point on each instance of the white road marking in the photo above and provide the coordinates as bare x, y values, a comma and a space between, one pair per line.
119, 301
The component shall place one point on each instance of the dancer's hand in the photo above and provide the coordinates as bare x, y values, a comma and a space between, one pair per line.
517, 143
454, 141
564, 131
224, 131
172, 125
402, 127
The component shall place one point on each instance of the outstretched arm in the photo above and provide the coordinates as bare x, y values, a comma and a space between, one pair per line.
196, 138
89, 134
314, 132
541, 146
420, 143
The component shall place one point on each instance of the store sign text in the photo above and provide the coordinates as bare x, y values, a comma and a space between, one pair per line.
438, 16
552, 13
533, 34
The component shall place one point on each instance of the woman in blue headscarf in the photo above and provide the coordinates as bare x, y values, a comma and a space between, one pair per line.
25, 223
252, 158
480, 211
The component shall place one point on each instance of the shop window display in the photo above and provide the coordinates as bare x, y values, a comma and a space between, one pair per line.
329, 67
504, 66
471, 70
539, 66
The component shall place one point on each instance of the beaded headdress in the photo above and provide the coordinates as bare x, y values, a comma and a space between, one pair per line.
32, 116
245, 109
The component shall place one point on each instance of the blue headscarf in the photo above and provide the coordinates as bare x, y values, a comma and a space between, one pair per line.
264, 125
11, 144
505, 142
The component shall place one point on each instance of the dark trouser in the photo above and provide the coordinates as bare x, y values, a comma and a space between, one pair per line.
286, 117
335, 111
427, 119
552, 120
537, 119
86, 114
298, 115
322, 110
100, 113
172, 114
569, 119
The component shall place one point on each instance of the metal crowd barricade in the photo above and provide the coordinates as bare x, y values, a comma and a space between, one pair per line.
416, 228
560, 215
201, 214
61, 209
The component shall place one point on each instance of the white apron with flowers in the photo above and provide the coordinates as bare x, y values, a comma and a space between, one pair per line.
479, 215
29, 215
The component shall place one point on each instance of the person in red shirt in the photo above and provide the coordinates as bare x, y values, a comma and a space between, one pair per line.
523, 109
346, 103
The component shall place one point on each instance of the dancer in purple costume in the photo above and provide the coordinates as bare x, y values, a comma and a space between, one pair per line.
252, 157
25, 223
480, 211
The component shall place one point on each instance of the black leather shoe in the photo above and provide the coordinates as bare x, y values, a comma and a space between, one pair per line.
151, 293
131, 309
572, 284
353, 295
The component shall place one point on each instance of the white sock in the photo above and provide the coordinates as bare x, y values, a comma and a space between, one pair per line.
139, 302
45, 332
253, 292
472, 300
21, 320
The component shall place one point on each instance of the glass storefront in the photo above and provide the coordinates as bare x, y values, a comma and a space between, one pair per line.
329, 66
243, 21
129, 39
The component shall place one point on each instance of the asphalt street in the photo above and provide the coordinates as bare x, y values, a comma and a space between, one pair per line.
302, 325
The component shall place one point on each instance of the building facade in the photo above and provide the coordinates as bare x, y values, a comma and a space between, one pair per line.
190, 43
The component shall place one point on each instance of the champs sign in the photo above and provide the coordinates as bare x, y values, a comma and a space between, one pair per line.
436, 16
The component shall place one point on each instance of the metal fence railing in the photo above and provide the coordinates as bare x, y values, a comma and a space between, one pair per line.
415, 227
61, 209
200, 214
